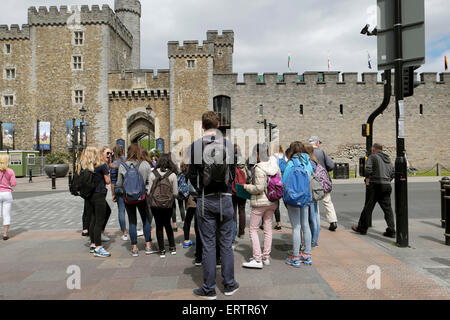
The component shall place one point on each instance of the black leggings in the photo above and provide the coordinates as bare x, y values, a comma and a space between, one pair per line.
277, 212
96, 208
87, 216
190, 213
182, 211
162, 219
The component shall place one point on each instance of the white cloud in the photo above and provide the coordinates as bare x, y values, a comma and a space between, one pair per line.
267, 30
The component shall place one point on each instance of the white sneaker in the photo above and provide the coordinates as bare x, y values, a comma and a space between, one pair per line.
125, 237
140, 233
105, 237
266, 262
253, 264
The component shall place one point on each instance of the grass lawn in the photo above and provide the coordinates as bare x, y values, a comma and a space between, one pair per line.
420, 173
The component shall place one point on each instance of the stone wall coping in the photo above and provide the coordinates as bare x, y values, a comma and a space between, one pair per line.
15, 32
162, 93
54, 16
190, 48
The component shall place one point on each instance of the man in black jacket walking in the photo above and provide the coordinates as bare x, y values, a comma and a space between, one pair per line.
379, 174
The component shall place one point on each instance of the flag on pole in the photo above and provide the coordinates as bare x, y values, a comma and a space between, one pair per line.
289, 61
370, 61
329, 64
446, 63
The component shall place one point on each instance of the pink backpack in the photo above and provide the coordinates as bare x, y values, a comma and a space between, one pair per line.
274, 188
324, 179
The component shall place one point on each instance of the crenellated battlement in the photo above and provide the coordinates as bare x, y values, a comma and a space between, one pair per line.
323, 78
225, 39
190, 49
139, 84
15, 32
54, 16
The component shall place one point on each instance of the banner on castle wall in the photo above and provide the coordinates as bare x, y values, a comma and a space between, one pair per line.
8, 136
44, 135
69, 132
160, 144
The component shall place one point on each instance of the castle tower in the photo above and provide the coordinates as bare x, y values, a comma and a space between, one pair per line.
129, 12
223, 50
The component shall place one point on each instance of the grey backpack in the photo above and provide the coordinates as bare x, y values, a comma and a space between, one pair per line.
317, 191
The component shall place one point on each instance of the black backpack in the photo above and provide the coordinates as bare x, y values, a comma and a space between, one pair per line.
83, 184
216, 171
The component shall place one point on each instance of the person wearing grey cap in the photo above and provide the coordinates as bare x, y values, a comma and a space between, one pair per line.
326, 162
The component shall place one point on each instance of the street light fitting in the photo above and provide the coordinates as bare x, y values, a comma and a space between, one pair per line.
366, 31
83, 112
149, 109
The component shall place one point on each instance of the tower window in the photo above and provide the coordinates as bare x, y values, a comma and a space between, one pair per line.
77, 63
421, 109
78, 38
191, 64
222, 106
301, 109
10, 74
341, 109
78, 96
8, 101
7, 48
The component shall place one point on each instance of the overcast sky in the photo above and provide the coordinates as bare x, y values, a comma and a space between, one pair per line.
266, 31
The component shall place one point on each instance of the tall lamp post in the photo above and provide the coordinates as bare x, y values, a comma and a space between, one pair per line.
1, 135
149, 110
83, 141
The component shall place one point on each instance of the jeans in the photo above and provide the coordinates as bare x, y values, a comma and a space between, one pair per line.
210, 222
314, 222
299, 218
162, 219
132, 220
266, 214
96, 208
121, 210
380, 193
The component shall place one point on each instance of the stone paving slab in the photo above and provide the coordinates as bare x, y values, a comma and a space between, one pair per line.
37, 263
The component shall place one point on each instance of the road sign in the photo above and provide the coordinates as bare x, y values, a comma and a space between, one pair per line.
413, 33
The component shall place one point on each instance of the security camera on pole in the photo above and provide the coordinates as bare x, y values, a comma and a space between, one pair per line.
401, 45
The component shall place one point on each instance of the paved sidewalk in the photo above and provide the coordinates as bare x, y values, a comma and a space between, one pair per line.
34, 264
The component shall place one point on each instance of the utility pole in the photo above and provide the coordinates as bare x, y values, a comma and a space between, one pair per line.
1, 135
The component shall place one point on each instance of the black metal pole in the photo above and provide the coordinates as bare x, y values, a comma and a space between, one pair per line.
54, 178
443, 182
401, 178
73, 145
447, 206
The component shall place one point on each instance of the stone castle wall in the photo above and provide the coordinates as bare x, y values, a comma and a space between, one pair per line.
341, 133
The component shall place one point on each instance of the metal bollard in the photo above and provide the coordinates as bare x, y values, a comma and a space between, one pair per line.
443, 181
31, 176
447, 215
54, 179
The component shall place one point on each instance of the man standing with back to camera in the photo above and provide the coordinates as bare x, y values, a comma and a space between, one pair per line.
211, 172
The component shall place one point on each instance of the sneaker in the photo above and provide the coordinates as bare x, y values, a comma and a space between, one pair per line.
333, 226
218, 264
356, 229
233, 246
140, 233
105, 237
313, 245
230, 290
85, 234
295, 262
91, 249
266, 262
150, 251
187, 244
202, 294
124, 237
135, 253
101, 252
253, 264
277, 228
162, 254
173, 251
306, 260
261, 227
197, 263
389, 234
175, 229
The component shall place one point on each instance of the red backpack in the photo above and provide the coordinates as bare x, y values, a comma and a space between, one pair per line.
240, 178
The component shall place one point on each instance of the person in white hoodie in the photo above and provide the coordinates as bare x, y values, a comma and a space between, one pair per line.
261, 206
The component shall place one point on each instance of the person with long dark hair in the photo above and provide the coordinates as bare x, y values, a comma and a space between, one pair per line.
134, 159
163, 187
117, 193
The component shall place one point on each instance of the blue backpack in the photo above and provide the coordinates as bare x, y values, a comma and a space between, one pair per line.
282, 164
183, 187
134, 185
296, 190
